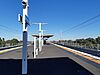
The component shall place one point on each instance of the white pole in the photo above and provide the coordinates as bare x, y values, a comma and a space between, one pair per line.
24, 49
40, 45
34, 47
42, 39
40, 34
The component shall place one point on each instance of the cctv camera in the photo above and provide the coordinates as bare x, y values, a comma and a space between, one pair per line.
24, 4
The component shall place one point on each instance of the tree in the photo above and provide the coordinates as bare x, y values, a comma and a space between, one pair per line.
8, 42
98, 40
69, 41
91, 40
80, 41
14, 41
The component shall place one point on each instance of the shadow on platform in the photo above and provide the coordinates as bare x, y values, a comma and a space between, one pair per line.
47, 66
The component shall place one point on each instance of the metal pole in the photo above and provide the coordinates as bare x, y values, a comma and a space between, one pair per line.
42, 39
24, 49
40, 34
34, 47
40, 46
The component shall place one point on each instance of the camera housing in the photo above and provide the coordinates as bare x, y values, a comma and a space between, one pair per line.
24, 4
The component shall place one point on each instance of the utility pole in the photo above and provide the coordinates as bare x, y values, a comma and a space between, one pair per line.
25, 24
40, 34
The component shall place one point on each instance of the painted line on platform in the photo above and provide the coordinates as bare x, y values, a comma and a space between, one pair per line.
8, 50
82, 54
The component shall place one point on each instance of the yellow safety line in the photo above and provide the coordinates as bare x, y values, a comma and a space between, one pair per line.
8, 50
79, 54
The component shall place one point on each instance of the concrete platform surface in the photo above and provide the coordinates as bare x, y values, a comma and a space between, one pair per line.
50, 61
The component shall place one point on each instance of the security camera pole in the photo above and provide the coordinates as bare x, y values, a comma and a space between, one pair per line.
25, 24
40, 34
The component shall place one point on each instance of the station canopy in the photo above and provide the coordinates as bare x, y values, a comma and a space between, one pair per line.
44, 36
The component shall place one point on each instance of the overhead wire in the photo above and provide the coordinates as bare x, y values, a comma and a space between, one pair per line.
87, 25
8, 29
81, 24
92, 23
8, 32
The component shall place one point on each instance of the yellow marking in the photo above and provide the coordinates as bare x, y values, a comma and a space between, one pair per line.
8, 50
82, 55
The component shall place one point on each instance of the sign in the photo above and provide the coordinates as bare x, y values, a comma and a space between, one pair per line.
20, 19
27, 20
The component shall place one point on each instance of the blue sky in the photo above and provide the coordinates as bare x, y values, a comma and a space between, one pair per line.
61, 15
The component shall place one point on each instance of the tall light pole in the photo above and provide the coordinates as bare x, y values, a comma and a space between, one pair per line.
25, 24
40, 34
